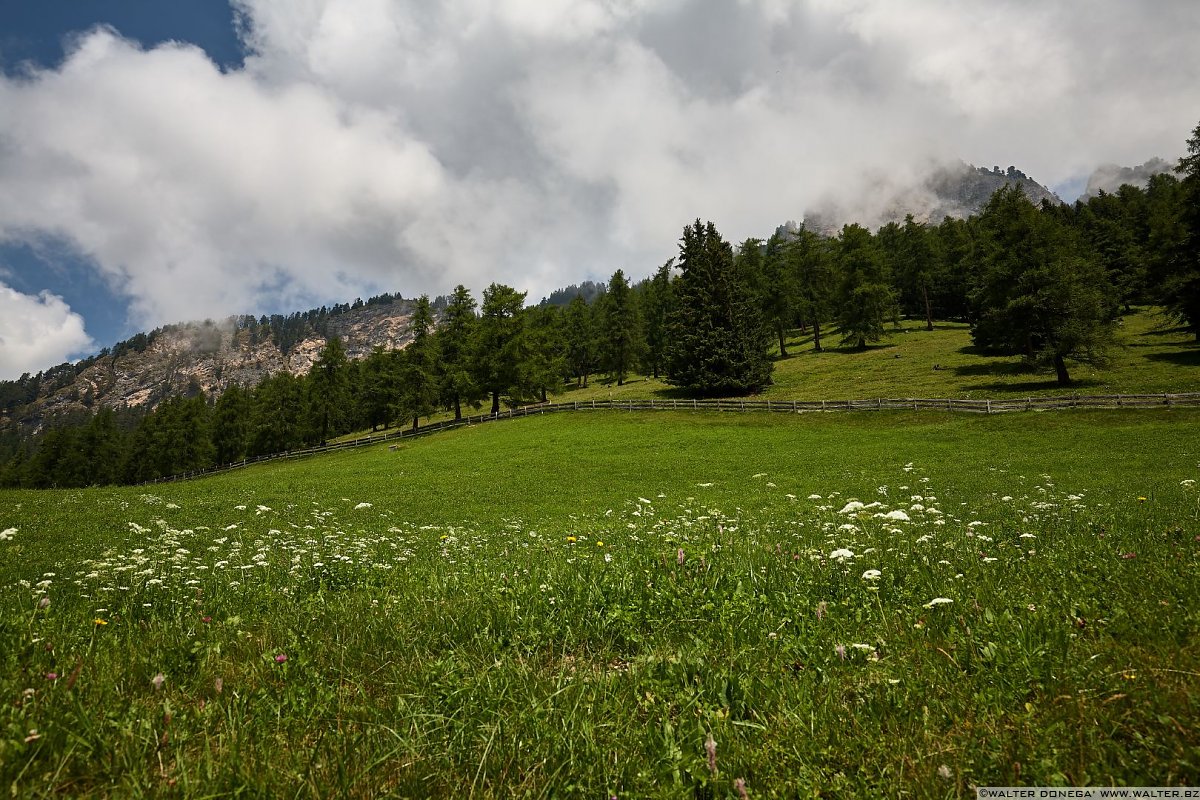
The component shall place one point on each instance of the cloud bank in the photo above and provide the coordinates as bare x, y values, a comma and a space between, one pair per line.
397, 145
36, 332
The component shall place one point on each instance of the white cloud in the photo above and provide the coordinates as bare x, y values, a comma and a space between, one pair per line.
36, 332
397, 145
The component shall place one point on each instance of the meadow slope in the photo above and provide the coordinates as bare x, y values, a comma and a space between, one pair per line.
630, 605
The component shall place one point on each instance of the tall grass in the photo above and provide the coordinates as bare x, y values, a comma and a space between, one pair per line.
653, 605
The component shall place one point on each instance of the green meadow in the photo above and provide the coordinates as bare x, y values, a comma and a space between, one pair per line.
611, 604
1147, 353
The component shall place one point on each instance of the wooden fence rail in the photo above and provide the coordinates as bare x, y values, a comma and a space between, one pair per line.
771, 406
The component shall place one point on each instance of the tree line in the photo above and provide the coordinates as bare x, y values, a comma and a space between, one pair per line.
1047, 282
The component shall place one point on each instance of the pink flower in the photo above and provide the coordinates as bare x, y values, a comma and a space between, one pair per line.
821, 606
710, 750
679, 557
158, 680
279, 659
44, 602
841, 651
1129, 555
51, 676
206, 620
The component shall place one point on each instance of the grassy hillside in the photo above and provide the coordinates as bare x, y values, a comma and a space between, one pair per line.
1149, 356
630, 605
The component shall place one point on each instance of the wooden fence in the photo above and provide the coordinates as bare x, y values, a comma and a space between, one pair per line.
771, 406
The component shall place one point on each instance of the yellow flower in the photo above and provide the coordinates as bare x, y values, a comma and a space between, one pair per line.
1141, 499
572, 539
599, 544
100, 621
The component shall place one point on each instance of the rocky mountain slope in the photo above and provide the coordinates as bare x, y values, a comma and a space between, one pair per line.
200, 357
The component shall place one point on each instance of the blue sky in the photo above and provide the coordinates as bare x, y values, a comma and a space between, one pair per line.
167, 160
36, 34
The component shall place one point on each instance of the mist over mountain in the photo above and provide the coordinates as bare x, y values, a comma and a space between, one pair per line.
951, 189
1110, 177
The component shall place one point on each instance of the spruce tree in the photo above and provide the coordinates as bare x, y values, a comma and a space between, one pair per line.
717, 339
620, 329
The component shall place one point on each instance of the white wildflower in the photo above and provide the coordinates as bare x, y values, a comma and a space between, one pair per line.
897, 515
852, 507
842, 554
7, 534
361, 506
939, 601
871, 575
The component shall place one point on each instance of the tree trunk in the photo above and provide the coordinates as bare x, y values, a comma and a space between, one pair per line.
816, 336
457, 408
495, 403
782, 346
1060, 367
543, 394
928, 308
415, 421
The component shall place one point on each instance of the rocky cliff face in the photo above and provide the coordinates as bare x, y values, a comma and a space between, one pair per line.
206, 357
947, 190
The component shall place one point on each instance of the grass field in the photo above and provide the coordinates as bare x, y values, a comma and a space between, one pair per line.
1146, 358
629, 605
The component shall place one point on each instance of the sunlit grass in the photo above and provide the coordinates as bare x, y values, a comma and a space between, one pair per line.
860, 604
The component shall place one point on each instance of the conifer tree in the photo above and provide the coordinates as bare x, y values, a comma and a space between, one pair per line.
865, 300
546, 361
418, 378
329, 386
777, 290
231, 425
811, 262
500, 346
456, 342
620, 329
1182, 284
717, 342
380, 376
580, 334
658, 301
1042, 291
